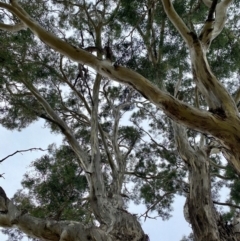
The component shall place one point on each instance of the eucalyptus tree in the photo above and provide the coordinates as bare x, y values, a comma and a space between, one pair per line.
61, 61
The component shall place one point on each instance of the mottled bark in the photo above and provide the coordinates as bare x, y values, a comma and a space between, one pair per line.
199, 210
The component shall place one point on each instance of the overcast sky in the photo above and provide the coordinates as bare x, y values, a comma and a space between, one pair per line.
36, 136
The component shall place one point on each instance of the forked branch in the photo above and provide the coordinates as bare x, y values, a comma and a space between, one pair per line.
220, 12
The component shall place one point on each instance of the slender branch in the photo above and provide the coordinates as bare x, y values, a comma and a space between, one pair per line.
221, 17
83, 157
152, 206
226, 204
216, 165
144, 176
1, 175
20, 151
177, 21
212, 10
236, 96
116, 114
12, 28
129, 150
114, 12
155, 142
220, 176
81, 97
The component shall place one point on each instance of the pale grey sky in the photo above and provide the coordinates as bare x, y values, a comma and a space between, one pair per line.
38, 136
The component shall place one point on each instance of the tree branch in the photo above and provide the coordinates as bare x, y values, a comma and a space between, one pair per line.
170, 105
46, 229
208, 3
212, 10
83, 160
20, 151
177, 22
12, 28
227, 204
221, 17
213, 28
220, 176
158, 201
199, 120
81, 97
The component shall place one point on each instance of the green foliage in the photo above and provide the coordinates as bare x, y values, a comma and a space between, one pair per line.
55, 187
188, 238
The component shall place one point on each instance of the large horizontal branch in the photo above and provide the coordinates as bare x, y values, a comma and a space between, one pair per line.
46, 229
193, 118
174, 108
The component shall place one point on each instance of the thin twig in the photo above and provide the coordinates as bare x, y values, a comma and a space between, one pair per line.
152, 206
31, 149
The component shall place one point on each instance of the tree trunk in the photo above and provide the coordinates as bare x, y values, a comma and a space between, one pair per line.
206, 223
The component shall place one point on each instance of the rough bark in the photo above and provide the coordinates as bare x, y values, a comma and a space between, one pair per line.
206, 223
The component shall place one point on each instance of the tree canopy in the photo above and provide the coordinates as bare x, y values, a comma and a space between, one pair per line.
146, 96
